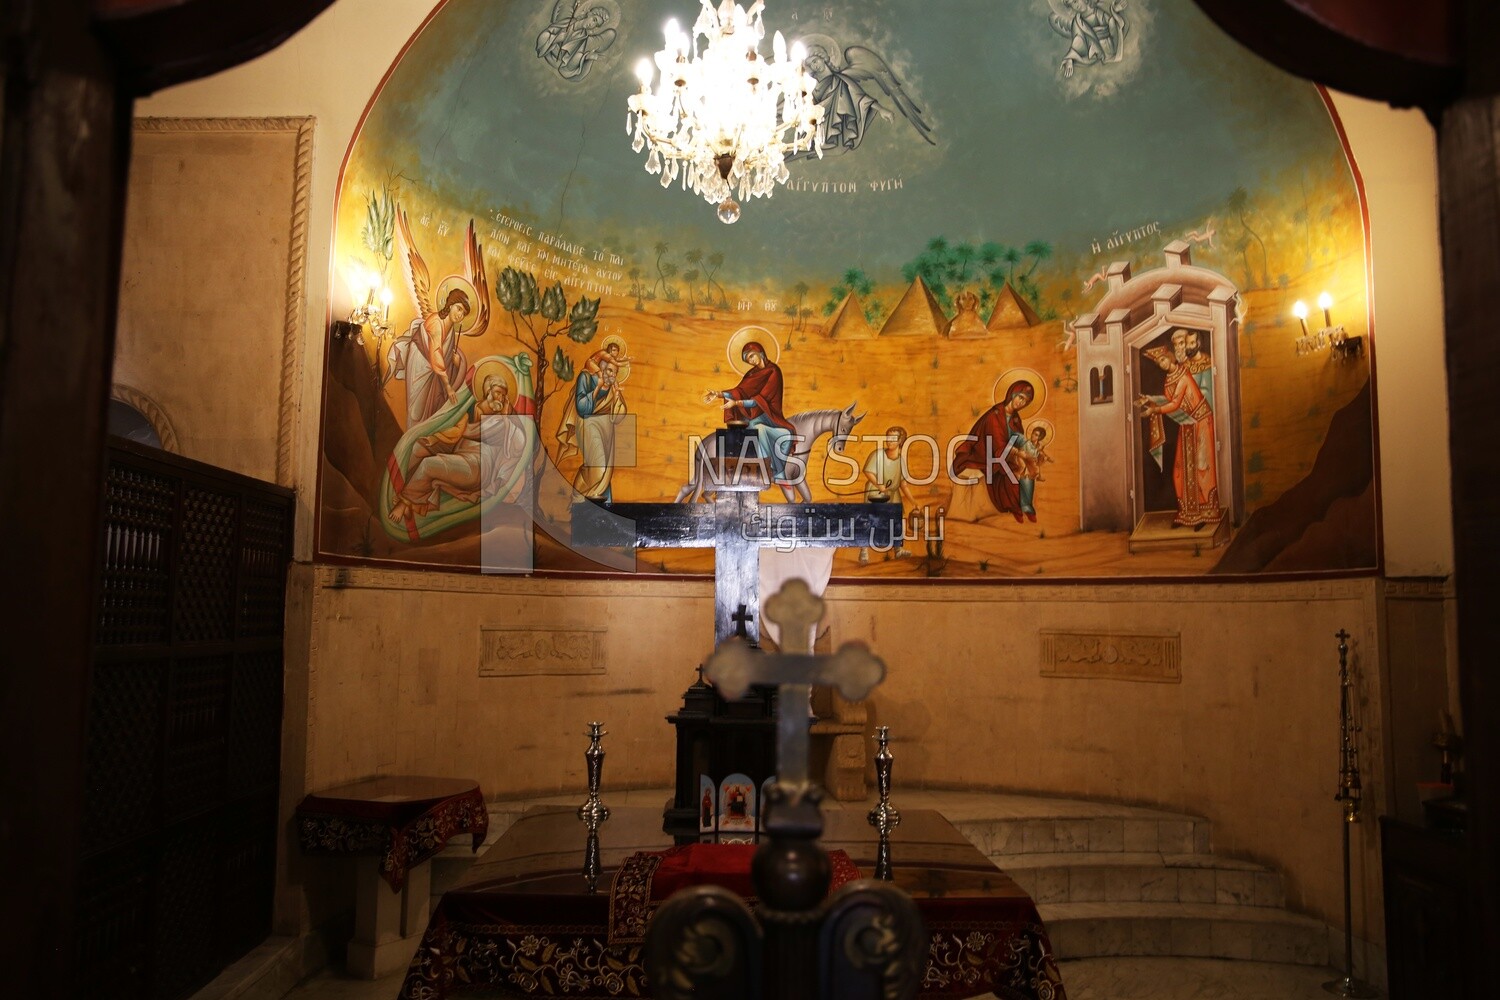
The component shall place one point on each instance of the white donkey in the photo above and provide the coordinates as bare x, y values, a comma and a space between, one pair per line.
807, 427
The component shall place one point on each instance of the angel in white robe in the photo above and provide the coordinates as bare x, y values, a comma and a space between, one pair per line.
427, 357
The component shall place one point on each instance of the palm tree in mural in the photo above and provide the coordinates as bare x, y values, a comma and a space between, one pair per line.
1038, 251
636, 288
800, 289
664, 271
1239, 204
1012, 258
694, 260
1242, 247
715, 261
963, 258
690, 276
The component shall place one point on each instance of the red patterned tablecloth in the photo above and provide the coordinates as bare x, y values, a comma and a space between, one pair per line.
403, 819
523, 921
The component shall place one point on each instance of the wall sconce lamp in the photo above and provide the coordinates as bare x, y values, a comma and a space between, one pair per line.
1329, 337
372, 298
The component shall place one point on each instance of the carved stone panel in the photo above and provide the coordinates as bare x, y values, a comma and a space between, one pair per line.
1121, 656
519, 651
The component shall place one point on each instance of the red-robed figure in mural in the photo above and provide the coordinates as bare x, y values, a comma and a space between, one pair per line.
1195, 468
997, 429
757, 400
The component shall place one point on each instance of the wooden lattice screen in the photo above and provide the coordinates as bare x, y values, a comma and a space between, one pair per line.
184, 729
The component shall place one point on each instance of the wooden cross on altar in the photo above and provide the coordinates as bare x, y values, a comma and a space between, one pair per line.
737, 526
853, 670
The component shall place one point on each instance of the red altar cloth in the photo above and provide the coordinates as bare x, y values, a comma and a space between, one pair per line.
524, 920
404, 819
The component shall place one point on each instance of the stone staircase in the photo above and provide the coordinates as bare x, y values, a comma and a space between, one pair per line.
1126, 881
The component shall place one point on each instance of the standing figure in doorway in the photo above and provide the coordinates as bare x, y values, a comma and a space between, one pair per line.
757, 400
992, 446
1195, 467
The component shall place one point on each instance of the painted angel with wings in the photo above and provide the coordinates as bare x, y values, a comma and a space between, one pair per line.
846, 89
427, 356
1095, 30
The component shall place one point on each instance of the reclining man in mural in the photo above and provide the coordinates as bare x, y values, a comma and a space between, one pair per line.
757, 399
469, 458
1195, 467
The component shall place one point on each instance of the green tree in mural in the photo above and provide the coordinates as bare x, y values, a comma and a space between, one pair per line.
689, 276
539, 319
716, 261
795, 310
854, 281
694, 260
665, 271
636, 288
1239, 204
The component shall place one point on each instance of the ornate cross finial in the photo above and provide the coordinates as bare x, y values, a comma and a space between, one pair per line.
853, 670
741, 618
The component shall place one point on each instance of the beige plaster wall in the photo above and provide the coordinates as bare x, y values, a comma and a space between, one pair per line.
1248, 737
210, 322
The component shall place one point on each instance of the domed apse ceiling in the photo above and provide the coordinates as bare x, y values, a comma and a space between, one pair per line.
1053, 248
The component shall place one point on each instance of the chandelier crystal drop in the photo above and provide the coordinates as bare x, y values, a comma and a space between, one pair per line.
723, 117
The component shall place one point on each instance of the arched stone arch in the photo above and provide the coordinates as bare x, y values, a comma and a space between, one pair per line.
152, 411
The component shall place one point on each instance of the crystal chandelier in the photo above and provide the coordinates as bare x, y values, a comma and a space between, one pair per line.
723, 117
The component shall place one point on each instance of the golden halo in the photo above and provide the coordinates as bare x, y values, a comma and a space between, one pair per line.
1045, 425
745, 335
488, 367
467, 287
1014, 375
612, 340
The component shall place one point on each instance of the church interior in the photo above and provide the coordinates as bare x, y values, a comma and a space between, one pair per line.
1143, 609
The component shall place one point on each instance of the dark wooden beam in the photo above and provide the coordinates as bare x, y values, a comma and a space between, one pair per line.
1407, 54
63, 158
1469, 172
158, 43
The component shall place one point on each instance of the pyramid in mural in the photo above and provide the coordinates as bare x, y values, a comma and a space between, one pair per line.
848, 322
916, 315
1012, 312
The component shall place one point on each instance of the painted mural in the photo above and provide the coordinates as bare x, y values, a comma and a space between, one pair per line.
1042, 288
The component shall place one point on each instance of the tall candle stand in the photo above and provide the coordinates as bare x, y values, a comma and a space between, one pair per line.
1349, 794
884, 817
593, 812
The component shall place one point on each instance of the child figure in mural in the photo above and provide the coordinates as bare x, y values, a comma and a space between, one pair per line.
886, 479
1195, 468
1033, 457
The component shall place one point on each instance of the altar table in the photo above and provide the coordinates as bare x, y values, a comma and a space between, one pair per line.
523, 922
398, 822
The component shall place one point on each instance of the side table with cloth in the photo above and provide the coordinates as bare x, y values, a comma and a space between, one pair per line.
398, 822
523, 922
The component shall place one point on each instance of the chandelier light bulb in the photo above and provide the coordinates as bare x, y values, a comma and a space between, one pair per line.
645, 72
1325, 301
1299, 309
721, 115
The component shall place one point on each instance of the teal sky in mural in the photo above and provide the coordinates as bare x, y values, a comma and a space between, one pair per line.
1019, 150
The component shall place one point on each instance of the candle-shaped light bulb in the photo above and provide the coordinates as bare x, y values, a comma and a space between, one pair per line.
799, 53
1299, 310
386, 298
644, 72
1325, 303
778, 48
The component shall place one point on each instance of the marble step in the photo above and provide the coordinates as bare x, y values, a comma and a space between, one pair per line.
1136, 831
1129, 877
1186, 930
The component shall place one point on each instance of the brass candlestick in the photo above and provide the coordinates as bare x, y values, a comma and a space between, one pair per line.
1349, 794
593, 812
884, 817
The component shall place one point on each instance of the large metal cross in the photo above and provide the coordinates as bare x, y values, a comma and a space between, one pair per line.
853, 670
737, 526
